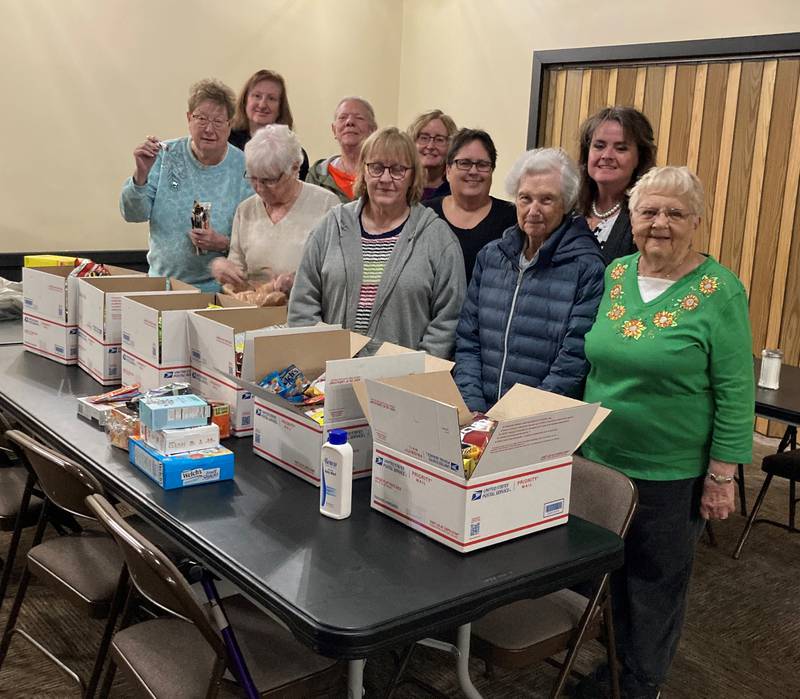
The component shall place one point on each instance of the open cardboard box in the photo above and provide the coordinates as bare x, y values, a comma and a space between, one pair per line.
283, 432
50, 310
212, 352
151, 358
521, 483
100, 320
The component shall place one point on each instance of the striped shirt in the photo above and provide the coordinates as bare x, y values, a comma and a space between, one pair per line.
376, 249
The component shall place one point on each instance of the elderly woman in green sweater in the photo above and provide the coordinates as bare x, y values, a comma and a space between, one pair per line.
670, 355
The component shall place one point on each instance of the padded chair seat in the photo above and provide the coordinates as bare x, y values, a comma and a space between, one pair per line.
87, 564
786, 464
12, 485
527, 622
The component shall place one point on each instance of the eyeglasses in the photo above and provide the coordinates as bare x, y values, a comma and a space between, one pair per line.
673, 215
425, 138
202, 121
466, 164
263, 181
396, 172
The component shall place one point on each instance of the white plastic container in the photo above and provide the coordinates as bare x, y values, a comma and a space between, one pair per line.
770, 377
336, 476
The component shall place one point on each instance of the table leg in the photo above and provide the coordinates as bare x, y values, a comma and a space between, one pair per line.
462, 662
355, 678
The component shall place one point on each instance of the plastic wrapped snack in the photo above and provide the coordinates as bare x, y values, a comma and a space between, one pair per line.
221, 417
288, 383
121, 424
201, 218
121, 394
474, 438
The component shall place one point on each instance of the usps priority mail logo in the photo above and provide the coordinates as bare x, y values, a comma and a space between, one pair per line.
379, 461
477, 495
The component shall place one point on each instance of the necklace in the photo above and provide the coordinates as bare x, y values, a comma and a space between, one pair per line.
605, 214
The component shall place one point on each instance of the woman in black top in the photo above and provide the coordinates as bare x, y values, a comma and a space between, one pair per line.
616, 148
263, 100
475, 217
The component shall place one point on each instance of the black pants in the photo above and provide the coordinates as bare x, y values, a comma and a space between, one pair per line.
649, 592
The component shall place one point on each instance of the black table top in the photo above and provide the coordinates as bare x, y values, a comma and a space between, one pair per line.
784, 403
346, 588
11, 332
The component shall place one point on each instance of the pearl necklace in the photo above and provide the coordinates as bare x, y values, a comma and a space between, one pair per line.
605, 214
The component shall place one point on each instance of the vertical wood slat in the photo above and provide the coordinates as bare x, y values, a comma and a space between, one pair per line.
681, 115
790, 323
612, 87
558, 113
586, 89
696, 120
638, 95
653, 97
547, 139
665, 122
788, 211
757, 172
626, 87
572, 100
598, 95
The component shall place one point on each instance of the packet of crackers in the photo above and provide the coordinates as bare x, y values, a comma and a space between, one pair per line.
474, 438
201, 218
121, 424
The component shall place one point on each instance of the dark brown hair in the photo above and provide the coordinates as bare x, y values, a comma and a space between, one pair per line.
464, 136
636, 128
240, 121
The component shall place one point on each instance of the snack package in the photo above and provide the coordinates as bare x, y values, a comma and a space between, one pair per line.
258, 293
87, 268
315, 392
317, 415
221, 417
201, 218
121, 424
474, 438
289, 383
121, 394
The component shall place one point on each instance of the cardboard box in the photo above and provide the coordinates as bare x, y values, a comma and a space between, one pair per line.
100, 320
181, 470
173, 412
213, 356
50, 311
283, 433
97, 412
178, 441
150, 357
522, 480
49, 260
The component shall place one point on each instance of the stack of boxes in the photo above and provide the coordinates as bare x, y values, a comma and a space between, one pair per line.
178, 446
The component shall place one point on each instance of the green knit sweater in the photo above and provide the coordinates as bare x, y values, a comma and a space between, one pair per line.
677, 374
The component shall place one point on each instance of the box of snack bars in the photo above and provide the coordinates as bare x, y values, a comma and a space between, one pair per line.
50, 308
217, 340
473, 480
155, 336
306, 379
100, 320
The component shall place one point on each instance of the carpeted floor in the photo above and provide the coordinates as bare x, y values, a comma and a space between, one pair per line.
742, 635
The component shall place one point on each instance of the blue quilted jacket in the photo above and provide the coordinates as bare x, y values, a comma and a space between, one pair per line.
528, 326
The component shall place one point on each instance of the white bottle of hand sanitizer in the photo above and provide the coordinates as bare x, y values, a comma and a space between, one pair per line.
336, 476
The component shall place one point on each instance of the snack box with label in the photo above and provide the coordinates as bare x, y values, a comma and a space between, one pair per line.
213, 355
50, 310
520, 483
181, 470
172, 412
100, 321
155, 337
284, 432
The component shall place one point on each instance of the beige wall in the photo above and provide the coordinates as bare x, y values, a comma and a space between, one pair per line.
84, 81
473, 58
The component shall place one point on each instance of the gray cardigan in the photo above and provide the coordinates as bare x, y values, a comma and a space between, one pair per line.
420, 295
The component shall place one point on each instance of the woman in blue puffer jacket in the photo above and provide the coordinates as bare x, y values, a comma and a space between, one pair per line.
534, 292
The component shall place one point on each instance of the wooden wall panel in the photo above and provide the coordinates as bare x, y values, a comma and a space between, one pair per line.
654, 97
571, 119
626, 87
598, 96
790, 323
683, 99
741, 163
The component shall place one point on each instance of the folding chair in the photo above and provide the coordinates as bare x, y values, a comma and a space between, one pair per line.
85, 567
532, 630
183, 654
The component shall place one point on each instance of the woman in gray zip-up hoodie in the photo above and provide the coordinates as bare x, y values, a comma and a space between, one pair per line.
384, 265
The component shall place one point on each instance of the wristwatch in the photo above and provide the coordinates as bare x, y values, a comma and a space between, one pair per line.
719, 480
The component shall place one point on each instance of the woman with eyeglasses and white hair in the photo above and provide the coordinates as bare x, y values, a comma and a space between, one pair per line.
270, 228
534, 292
170, 176
384, 265
431, 132
671, 356
472, 214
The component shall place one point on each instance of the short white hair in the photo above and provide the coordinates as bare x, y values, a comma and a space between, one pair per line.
540, 161
679, 182
274, 150
364, 103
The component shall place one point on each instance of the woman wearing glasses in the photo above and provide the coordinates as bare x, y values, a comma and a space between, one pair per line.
670, 355
534, 292
431, 132
384, 265
170, 176
475, 217
270, 228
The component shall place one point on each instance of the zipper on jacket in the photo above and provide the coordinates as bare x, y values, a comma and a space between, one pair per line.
505, 336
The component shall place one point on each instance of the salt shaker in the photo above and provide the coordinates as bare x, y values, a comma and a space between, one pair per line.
770, 376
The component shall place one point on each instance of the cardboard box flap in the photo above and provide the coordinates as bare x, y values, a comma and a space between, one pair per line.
274, 352
431, 363
128, 284
232, 302
242, 319
416, 425
357, 343
438, 386
173, 302
62, 271
525, 400
601, 414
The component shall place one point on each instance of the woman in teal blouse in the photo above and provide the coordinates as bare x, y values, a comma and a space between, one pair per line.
671, 356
